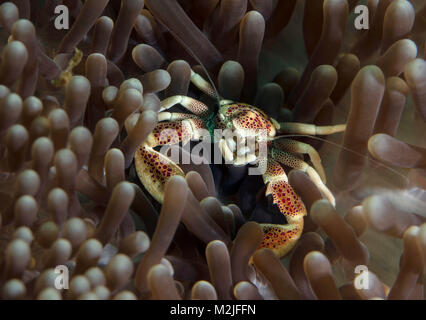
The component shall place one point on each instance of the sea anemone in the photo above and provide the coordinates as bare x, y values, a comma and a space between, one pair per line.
75, 105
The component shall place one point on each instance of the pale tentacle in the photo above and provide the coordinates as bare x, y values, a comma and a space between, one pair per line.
291, 161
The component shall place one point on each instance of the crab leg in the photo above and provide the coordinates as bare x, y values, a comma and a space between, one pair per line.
203, 85
154, 169
173, 116
192, 105
310, 129
294, 146
172, 132
282, 238
291, 161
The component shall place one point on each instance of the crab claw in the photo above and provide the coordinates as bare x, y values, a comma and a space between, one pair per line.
282, 238
288, 202
154, 170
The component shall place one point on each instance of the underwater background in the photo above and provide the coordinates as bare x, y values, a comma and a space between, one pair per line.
77, 106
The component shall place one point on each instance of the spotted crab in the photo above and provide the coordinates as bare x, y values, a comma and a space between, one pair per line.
154, 168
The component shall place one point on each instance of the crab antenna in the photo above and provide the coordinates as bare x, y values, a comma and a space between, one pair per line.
374, 161
192, 54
